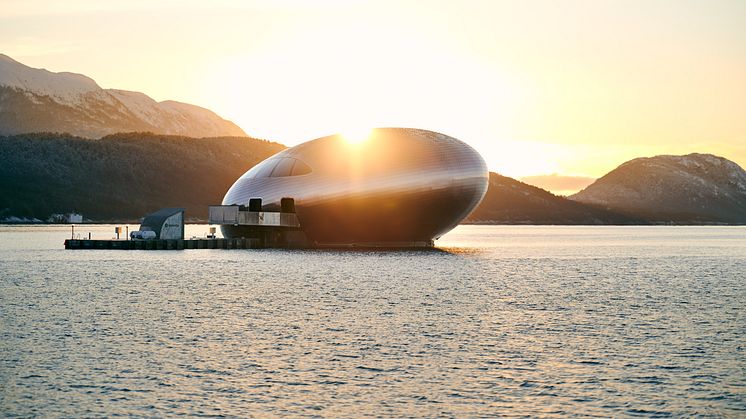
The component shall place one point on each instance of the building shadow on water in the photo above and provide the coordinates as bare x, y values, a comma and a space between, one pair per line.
425, 251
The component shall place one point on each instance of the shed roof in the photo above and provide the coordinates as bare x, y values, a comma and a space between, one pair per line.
155, 220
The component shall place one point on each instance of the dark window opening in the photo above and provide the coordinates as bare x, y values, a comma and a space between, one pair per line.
278, 167
284, 168
300, 168
266, 169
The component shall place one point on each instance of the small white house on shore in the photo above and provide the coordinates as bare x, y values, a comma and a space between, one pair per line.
71, 218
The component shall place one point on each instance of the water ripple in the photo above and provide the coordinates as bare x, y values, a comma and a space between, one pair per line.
511, 321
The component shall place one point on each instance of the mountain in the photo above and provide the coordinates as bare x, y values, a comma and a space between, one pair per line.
509, 201
37, 100
121, 176
696, 188
125, 176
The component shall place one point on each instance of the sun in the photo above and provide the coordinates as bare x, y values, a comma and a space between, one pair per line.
356, 135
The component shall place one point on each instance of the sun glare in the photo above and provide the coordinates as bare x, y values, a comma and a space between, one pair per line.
356, 136
524, 158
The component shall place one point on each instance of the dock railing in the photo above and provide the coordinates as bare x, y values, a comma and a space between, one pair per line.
231, 214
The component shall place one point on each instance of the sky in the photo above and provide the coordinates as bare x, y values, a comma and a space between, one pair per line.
556, 92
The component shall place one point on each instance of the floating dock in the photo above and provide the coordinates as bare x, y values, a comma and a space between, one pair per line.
165, 229
173, 244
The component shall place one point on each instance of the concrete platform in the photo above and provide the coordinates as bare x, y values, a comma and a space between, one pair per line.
177, 244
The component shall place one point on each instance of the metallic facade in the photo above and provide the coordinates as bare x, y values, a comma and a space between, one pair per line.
399, 187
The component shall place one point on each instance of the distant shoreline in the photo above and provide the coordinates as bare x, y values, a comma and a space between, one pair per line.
501, 223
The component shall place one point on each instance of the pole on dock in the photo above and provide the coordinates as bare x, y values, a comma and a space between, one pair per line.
72, 231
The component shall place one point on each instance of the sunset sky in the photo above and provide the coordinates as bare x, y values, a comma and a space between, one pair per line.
572, 88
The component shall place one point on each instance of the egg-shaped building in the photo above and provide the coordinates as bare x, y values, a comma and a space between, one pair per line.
398, 187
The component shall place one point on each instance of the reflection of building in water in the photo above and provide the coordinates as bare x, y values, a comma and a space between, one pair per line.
399, 187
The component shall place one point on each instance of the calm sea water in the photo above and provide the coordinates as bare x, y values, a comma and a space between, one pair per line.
513, 321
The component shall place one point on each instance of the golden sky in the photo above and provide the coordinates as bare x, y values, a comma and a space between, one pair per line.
538, 87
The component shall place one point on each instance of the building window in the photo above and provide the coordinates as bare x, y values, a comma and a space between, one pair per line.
281, 167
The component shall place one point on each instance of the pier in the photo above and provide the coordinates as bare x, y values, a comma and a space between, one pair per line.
171, 244
164, 230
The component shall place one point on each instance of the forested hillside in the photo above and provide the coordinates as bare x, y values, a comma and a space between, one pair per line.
121, 176
692, 189
509, 201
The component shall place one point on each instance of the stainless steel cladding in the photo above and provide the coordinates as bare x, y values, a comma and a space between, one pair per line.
397, 186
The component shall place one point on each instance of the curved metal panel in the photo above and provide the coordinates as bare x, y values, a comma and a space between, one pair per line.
400, 185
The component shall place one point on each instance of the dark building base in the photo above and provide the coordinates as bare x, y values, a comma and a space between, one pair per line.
296, 239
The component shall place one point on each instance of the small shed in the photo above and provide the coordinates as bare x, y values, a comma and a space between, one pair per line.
167, 223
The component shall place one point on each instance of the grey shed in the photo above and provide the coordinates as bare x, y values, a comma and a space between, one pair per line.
167, 223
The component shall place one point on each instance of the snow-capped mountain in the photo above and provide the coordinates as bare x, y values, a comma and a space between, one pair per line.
37, 100
692, 188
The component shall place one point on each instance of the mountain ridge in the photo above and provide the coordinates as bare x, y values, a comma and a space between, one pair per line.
124, 176
509, 201
692, 188
696, 188
38, 100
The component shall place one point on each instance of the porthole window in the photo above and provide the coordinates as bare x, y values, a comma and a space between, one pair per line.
284, 167
278, 167
262, 170
266, 170
300, 168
